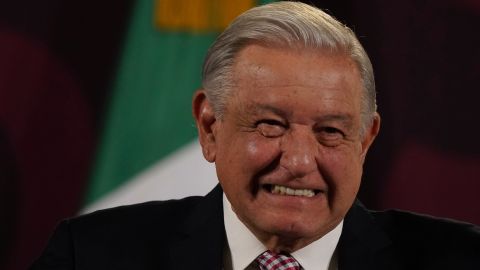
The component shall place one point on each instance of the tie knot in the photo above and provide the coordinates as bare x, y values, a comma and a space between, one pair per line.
273, 261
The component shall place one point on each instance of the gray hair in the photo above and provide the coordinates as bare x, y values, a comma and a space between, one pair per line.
286, 24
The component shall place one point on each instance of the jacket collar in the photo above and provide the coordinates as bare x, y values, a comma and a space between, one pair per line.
201, 238
363, 244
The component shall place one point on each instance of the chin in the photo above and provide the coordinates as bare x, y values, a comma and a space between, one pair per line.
289, 237
293, 229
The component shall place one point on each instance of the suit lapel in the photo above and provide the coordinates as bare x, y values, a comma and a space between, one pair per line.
363, 244
201, 238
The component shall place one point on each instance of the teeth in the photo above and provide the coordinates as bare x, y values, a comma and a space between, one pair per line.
276, 189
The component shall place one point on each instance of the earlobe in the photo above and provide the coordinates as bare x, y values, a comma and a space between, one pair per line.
205, 121
371, 134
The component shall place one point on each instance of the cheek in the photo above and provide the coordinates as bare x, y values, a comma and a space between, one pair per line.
252, 148
344, 169
244, 157
260, 152
247, 157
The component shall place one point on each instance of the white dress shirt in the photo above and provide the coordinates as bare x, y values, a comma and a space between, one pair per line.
244, 247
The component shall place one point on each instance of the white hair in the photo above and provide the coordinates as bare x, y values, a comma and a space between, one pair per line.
285, 24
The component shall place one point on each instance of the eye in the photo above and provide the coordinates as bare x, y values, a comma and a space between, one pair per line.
331, 130
330, 134
270, 128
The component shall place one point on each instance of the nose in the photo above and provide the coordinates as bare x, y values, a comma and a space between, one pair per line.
299, 152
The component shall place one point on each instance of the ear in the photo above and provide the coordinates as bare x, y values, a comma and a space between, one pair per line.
370, 135
205, 121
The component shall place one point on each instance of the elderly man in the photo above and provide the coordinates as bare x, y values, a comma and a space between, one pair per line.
287, 113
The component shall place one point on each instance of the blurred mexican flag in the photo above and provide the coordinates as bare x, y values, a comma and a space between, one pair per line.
149, 149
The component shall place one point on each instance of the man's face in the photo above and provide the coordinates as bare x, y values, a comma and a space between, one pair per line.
288, 150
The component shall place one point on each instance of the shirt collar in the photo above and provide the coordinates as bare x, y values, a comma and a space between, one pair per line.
245, 247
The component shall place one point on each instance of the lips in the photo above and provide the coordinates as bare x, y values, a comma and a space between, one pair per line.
283, 190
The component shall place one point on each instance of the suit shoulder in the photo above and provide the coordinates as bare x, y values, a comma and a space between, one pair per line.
143, 214
126, 237
427, 234
398, 221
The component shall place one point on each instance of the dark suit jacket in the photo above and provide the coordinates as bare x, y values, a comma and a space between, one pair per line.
189, 234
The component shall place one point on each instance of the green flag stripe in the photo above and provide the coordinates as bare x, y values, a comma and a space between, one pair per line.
150, 110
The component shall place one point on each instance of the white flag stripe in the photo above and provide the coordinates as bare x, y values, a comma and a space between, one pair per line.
183, 173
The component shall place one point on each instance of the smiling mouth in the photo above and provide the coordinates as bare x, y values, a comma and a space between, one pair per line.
283, 190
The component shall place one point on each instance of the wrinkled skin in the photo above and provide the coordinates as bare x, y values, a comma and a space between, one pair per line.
293, 119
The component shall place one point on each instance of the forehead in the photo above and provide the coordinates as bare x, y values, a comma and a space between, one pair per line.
260, 60
307, 76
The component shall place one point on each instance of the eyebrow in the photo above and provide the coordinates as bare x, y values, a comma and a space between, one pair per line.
258, 108
347, 118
